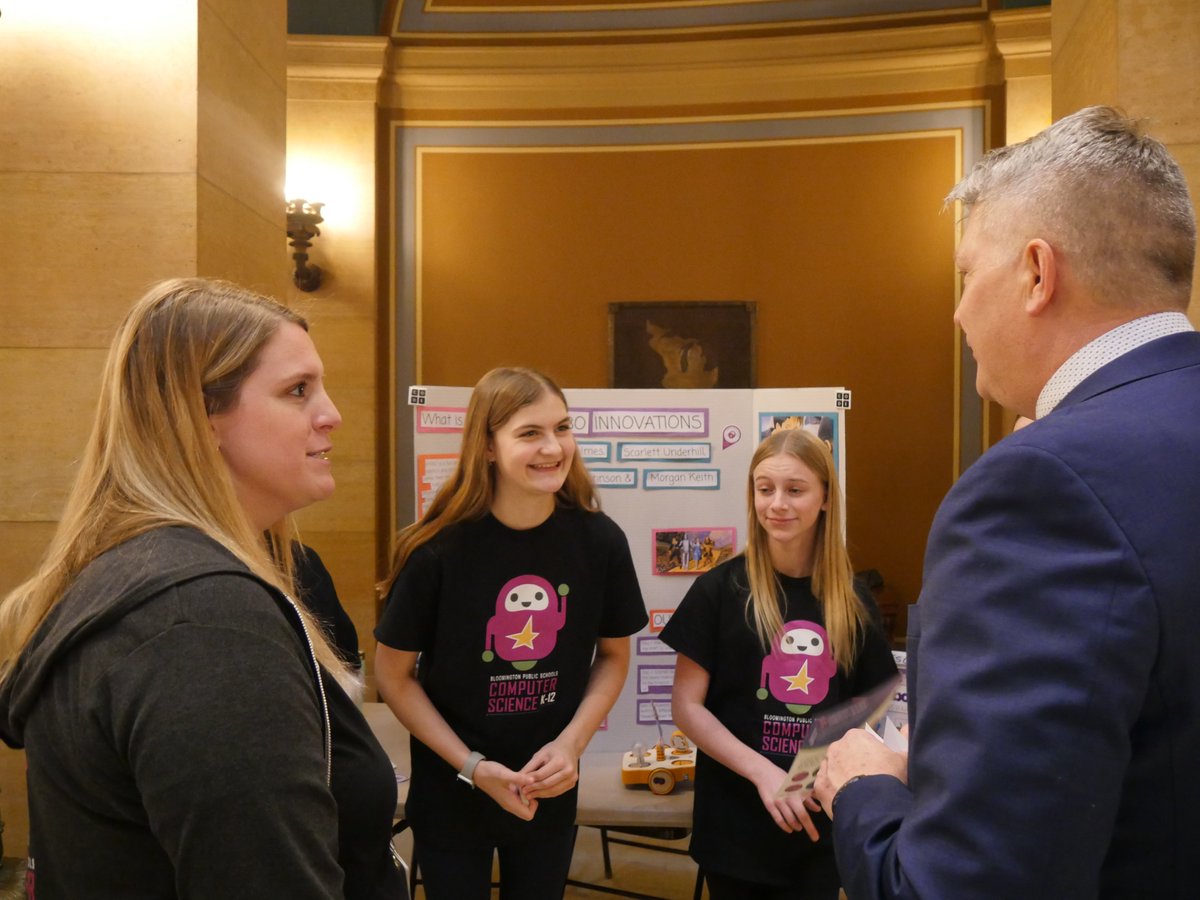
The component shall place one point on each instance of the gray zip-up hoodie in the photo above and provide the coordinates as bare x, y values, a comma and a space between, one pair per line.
175, 733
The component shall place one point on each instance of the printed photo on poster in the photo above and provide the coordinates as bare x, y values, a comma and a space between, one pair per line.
690, 551
822, 424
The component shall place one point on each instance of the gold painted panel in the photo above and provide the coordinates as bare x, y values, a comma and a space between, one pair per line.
840, 243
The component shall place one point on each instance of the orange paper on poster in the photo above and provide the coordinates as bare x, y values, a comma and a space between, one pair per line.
432, 471
659, 619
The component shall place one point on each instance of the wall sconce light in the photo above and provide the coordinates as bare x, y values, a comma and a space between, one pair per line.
302, 220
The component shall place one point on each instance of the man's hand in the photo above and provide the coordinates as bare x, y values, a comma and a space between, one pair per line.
858, 753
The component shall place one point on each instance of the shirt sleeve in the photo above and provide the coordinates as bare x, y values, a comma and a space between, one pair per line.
409, 617
693, 629
624, 609
220, 724
318, 593
875, 663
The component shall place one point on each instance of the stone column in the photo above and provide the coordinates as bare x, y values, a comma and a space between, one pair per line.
137, 142
1141, 56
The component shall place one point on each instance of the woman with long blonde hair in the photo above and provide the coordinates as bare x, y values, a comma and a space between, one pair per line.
765, 641
504, 643
184, 723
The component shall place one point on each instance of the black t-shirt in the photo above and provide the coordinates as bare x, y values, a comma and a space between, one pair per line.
767, 701
506, 622
317, 592
363, 784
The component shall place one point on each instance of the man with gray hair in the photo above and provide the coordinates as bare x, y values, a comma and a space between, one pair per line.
1054, 654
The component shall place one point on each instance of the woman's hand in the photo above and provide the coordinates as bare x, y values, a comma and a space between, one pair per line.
505, 786
790, 812
552, 771
396, 677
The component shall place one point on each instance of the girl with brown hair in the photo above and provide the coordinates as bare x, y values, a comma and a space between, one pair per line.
504, 643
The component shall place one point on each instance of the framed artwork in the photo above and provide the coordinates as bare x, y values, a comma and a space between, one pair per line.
692, 344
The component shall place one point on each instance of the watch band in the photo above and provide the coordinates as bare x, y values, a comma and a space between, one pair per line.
467, 773
838, 792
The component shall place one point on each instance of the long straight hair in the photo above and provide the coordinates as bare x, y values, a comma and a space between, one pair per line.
833, 574
469, 492
181, 354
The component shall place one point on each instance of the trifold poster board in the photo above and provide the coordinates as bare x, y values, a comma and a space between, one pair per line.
671, 467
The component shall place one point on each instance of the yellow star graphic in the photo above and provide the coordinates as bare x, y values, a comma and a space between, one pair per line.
800, 681
526, 636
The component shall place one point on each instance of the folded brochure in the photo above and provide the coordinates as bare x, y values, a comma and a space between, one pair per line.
832, 724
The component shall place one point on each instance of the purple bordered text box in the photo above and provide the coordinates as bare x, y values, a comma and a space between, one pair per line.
664, 451
614, 478
655, 679
629, 422
645, 711
652, 646
594, 451
681, 479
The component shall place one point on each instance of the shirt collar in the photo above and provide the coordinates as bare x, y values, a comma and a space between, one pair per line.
1103, 350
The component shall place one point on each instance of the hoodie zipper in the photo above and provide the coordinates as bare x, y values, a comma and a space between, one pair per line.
312, 655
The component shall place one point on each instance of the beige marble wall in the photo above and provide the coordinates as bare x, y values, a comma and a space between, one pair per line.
137, 142
241, 113
332, 88
1023, 41
1139, 55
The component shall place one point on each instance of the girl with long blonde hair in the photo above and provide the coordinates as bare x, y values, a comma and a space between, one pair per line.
504, 643
765, 641
184, 725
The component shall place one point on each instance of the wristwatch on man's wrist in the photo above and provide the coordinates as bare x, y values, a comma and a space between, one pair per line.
838, 792
467, 773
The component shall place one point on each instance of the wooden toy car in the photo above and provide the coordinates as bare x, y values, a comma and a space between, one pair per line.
661, 767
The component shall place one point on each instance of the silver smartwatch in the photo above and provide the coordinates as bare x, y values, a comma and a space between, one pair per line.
467, 773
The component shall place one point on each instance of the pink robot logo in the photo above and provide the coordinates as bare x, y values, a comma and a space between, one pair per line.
529, 615
798, 668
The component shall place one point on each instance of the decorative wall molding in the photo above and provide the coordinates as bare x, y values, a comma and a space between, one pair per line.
1022, 38
811, 67
348, 66
421, 21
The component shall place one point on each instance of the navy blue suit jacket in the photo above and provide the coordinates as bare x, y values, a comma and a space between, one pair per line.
1054, 662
